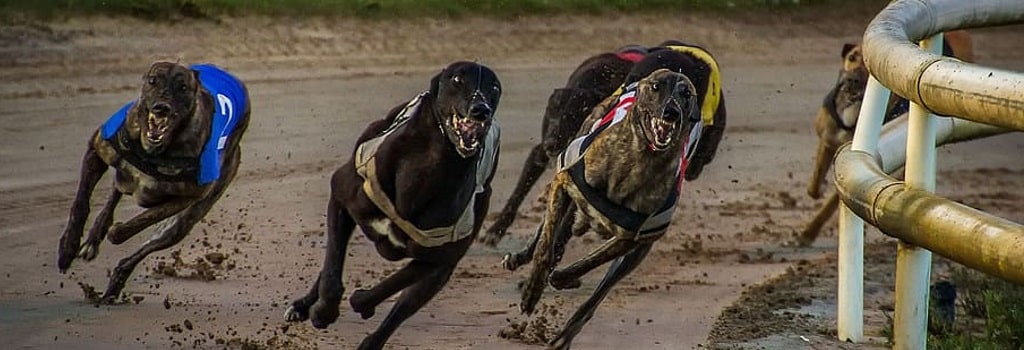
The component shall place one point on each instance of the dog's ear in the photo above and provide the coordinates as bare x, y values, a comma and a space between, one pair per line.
149, 71
435, 83
846, 49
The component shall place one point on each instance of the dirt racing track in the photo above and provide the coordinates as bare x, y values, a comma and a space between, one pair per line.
316, 83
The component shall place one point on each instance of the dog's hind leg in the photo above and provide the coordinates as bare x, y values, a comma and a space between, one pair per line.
569, 277
557, 223
326, 294
124, 231
100, 227
813, 229
412, 299
536, 162
173, 232
93, 169
618, 270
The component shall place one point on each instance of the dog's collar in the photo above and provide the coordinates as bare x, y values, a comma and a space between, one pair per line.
831, 107
132, 152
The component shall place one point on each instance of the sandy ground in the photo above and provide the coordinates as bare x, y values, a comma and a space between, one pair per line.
316, 82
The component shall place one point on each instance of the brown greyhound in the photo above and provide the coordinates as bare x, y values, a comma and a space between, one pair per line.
596, 78
175, 149
622, 178
418, 186
838, 115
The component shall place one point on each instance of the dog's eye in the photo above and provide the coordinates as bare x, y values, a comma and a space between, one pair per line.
655, 87
183, 87
687, 94
457, 79
151, 80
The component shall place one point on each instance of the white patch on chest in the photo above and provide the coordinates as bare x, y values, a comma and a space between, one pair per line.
383, 226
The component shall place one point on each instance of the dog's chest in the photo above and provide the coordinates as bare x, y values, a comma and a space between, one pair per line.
591, 215
146, 190
385, 227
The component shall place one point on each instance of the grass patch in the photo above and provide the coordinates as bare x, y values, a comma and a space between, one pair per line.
170, 9
990, 314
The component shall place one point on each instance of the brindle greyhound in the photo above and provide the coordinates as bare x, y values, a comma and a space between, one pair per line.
418, 186
176, 149
596, 78
622, 178
838, 116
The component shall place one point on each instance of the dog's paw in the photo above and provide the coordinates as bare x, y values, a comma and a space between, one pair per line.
512, 262
89, 251
109, 299
322, 314
560, 281
294, 315
358, 302
66, 253
814, 192
491, 239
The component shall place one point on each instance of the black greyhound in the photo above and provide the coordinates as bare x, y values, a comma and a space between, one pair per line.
418, 186
594, 79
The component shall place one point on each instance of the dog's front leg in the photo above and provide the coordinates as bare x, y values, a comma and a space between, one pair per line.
822, 162
544, 253
100, 227
322, 308
121, 232
93, 169
569, 277
619, 269
827, 148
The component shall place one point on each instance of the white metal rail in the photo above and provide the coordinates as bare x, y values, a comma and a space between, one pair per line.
909, 211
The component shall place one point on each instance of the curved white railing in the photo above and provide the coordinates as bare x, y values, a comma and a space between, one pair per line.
991, 100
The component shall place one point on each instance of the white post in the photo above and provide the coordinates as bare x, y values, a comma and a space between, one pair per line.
913, 264
850, 313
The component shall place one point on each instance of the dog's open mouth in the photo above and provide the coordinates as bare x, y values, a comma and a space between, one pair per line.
468, 134
663, 127
156, 128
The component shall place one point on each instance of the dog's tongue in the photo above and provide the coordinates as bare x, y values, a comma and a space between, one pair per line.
662, 130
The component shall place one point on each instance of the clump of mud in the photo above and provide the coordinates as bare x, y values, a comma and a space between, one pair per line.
206, 268
540, 329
